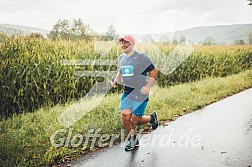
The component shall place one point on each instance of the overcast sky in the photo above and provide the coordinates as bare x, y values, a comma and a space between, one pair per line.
128, 16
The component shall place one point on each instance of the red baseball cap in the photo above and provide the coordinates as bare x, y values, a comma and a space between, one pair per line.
127, 38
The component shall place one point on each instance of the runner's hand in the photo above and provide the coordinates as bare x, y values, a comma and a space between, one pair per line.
113, 83
145, 90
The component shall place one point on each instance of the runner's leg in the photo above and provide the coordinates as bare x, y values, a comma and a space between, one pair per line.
126, 117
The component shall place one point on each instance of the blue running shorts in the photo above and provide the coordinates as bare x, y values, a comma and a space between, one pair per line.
137, 108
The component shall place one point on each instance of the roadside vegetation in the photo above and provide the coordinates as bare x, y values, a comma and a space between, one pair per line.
25, 138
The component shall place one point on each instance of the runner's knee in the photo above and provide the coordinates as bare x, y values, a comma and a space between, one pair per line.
135, 120
126, 117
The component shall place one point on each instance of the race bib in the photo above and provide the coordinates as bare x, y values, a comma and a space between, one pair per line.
127, 70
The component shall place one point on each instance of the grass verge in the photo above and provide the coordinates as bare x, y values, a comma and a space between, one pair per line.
25, 138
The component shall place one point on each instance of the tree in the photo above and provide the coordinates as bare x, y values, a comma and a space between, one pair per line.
250, 38
80, 30
75, 31
164, 39
175, 41
182, 39
250, 2
36, 35
60, 30
209, 41
239, 42
111, 33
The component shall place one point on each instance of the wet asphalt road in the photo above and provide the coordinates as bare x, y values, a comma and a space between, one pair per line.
217, 135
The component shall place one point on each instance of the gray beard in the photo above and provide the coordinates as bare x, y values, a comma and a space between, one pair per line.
127, 50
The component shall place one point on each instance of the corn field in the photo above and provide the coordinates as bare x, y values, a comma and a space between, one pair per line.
33, 76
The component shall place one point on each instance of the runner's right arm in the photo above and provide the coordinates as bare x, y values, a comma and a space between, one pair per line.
116, 80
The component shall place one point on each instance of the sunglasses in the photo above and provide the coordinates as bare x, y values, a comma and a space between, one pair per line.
125, 42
